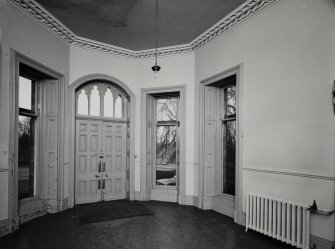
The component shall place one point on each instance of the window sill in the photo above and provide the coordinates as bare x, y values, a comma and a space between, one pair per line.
166, 187
30, 200
225, 197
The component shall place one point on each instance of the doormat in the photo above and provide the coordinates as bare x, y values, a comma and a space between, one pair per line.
110, 210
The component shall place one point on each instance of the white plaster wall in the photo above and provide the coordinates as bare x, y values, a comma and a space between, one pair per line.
137, 74
24, 35
287, 53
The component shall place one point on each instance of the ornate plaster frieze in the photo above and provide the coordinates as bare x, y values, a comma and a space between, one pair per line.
102, 47
229, 22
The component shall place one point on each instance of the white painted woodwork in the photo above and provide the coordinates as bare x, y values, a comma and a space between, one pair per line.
88, 150
210, 139
49, 148
149, 142
114, 149
100, 141
101, 145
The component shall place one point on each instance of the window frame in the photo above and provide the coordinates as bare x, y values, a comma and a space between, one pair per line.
224, 118
209, 191
102, 88
33, 113
153, 136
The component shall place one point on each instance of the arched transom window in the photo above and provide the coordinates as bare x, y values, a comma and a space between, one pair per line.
102, 100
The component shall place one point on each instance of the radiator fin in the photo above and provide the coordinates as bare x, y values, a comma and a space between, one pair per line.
283, 220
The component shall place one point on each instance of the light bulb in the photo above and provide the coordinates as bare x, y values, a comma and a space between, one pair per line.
155, 74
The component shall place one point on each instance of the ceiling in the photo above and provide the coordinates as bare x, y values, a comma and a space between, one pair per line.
131, 23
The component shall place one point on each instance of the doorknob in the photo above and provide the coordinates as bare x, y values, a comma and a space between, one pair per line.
106, 175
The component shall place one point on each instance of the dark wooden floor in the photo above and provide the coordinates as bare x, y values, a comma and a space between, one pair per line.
171, 227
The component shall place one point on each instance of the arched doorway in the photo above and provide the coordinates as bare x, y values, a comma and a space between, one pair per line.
103, 144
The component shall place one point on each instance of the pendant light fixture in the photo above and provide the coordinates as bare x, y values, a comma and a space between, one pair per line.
156, 68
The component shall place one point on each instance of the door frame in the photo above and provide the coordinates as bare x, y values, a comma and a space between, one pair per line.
72, 131
145, 193
206, 202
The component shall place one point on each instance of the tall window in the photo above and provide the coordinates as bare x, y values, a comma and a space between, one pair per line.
165, 134
228, 97
27, 137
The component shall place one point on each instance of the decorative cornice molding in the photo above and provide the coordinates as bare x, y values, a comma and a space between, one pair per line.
229, 22
102, 47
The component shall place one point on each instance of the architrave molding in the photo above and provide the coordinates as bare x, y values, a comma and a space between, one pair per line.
71, 115
245, 11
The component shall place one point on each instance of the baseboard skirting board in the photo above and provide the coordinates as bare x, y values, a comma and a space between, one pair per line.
191, 200
4, 227
137, 196
65, 204
243, 219
321, 243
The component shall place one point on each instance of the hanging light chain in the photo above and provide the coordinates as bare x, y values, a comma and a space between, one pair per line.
156, 68
156, 33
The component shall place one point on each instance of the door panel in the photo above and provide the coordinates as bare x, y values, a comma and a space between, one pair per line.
100, 161
114, 175
88, 150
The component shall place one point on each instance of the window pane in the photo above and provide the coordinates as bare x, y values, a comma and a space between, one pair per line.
167, 109
95, 102
26, 96
82, 103
118, 107
229, 162
26, 164
166, 155
230, 100
108, 103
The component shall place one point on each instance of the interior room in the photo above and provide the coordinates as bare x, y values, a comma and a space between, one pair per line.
167, 124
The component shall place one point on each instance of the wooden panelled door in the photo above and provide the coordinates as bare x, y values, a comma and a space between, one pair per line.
101, 145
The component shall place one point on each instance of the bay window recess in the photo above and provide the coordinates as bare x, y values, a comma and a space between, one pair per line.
35, 145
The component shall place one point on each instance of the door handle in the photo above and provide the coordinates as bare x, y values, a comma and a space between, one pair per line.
99, 167
106, 175
103, 166
97, 175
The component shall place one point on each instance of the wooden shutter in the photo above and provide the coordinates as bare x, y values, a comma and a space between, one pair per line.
210, 139
50, 117
149, 144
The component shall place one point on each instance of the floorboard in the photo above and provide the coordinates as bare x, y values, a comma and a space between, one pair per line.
170, 227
